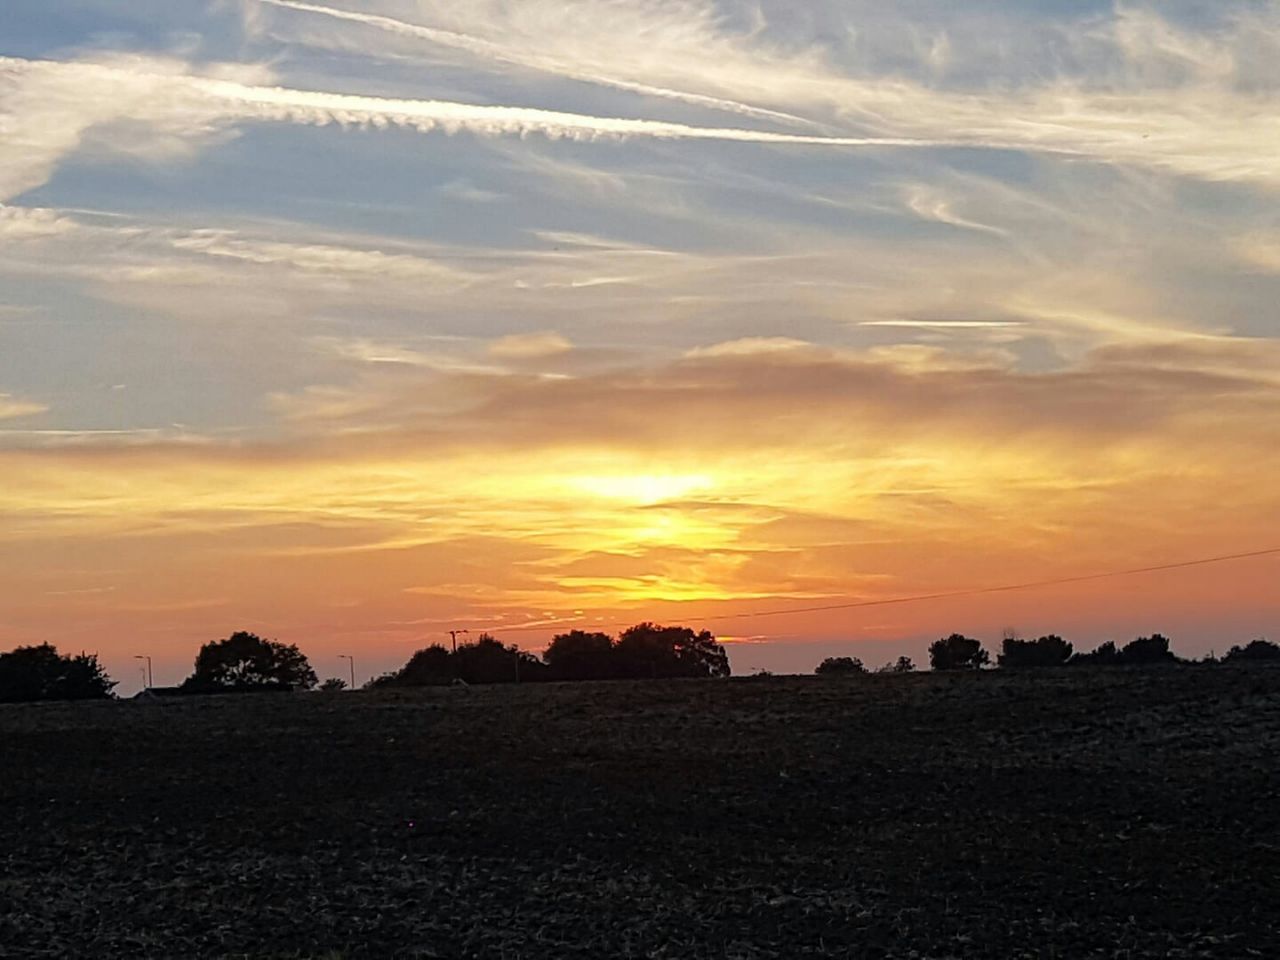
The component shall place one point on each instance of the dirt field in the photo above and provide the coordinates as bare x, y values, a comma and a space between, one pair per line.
1074, 813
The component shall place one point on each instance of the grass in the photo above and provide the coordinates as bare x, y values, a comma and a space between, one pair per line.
1071, 813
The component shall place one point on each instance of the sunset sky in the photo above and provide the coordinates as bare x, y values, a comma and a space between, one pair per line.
352, 322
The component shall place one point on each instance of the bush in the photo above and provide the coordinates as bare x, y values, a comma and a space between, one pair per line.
333, 685
901, 665
957, 652
1147, 650
1255, 650
840, 667
1104, 655
1048, 651
41, 673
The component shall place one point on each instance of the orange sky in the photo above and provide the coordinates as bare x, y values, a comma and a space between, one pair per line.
744, 479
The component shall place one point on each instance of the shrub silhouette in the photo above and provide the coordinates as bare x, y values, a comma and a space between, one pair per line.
1048, 651
901, 665
1104, 655
41, 673
489, 661
244, 662
578, 655
1255, 650
957, 652
648, 650
840, 667
333, 685
1147, 650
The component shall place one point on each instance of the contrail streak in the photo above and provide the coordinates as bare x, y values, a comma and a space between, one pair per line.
496, 51
321, 109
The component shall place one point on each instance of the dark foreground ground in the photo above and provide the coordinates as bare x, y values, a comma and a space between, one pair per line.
1071, 814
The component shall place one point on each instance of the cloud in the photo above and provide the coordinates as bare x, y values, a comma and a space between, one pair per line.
527, 56
525, 346
132, 105
11, 407
47, 109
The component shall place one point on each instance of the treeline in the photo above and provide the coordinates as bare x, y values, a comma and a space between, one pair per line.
245, 662
958, 652
643, 651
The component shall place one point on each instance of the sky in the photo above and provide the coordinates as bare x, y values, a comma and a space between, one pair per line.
353, 323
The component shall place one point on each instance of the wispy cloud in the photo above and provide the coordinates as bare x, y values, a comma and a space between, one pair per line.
12, 407
526, 56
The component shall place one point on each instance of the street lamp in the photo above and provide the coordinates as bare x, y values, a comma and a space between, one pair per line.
139, 656
352, 660
453, 635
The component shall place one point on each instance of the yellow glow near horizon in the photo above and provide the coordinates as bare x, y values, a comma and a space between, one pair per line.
643, 488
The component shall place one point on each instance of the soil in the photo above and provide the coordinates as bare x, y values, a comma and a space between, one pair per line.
1059, 813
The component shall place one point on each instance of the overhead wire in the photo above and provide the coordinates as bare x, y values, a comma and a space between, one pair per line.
922, 597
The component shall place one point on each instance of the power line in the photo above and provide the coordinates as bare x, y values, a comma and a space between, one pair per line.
924, 597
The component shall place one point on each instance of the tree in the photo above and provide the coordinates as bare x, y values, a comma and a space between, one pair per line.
579, 655
901, 665
648, 650
840, 667
429, 667
333, 685
1048, 651
41, 673
489, 661
1255, 650
957, 652
244, 661
1147, 650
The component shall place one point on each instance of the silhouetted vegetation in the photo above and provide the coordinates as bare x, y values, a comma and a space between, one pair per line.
1144, 651
333, 685
957, 652
901, 665
489, 661
648, 650
1103, 655
1048, 651
41, 673
484, 661
643, 651
578, 655
246, 662
840, 667
1254, 650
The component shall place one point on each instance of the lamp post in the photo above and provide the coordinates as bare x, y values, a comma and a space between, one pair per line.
139, 656
352, 661
453, 635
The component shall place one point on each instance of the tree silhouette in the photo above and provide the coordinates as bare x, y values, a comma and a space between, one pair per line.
333, 685
244, 661
41, 673
1048, 651
1254, 650
429, 667
1147, 650
957, 652
489, 661
578, 655
901, 665
648, 650
840, 667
